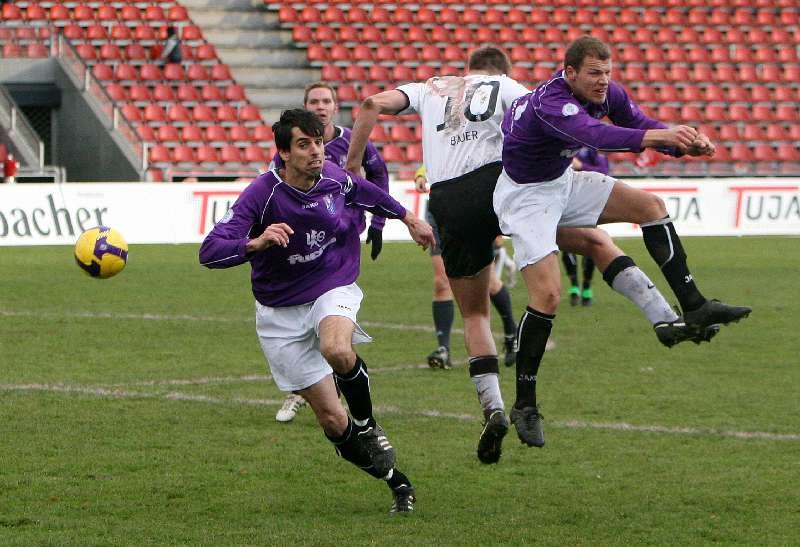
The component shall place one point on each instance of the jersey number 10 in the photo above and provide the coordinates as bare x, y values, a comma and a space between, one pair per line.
487, 106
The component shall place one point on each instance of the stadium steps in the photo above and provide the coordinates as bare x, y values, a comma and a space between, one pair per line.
261, 55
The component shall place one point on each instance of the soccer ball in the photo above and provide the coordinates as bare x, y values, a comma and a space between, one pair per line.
101, 252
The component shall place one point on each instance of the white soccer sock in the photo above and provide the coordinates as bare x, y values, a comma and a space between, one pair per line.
634, 285
488, 388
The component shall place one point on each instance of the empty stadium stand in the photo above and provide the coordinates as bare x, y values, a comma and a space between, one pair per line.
730, 66
112, 46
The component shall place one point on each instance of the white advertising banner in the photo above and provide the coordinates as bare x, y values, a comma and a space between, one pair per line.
53, 214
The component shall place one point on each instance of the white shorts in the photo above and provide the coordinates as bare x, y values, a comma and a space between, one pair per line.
289, 336
531, 213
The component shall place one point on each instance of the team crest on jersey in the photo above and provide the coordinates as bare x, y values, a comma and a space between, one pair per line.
330, 204
227, 217
569, 109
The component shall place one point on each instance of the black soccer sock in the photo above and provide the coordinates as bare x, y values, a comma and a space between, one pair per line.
397, 479
443, 321
571, 266
588, 270
665, 247
348, 447
501, 301
534, 329
355, 388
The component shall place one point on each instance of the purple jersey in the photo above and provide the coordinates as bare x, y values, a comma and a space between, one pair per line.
375, 169
592, 160
544, 130
323, 253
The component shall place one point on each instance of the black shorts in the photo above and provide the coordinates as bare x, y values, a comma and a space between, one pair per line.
463, 210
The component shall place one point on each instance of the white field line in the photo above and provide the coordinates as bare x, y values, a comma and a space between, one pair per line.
119, 393
197, 318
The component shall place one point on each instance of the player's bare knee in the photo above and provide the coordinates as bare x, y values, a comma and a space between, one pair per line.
441, 288
340, 356
654, 209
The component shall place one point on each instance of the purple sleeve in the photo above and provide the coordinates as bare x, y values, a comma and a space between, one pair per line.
363, 194
224, 246
377, 173
624, 111
570, 123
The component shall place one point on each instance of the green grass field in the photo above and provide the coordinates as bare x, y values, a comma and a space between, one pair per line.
137, 410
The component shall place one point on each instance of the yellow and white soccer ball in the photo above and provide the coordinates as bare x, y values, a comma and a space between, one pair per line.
101, 252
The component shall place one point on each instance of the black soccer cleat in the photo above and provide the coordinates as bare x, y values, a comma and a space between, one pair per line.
404, 499
440, 358
491, 440
678, 331
528, 422
510, 358
381, 453
714, 312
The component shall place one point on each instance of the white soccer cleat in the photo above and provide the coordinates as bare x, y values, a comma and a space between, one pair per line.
291, 405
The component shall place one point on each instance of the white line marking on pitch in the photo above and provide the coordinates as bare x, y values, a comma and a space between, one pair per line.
199, 318
105, 392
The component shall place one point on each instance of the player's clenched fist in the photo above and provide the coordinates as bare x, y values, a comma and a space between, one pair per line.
275, 234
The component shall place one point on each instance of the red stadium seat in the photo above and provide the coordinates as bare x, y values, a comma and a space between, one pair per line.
207, 154
401, 133
729, 132
183, 154
100, 71
230, 154
254, 154
402, 73
144, 33
135, 52
216, 134
154, 114
177, 13
191, 134
407, 54
126, 73
150, 72
764, 152
197, 73
202, 113
146, 133
129, 12
777, 132
787, 113
82, 12
163, 93
154, 13
716, 113
58, 12
131, 113
159, 154
739, 113
140, 93
715, 93
741, 152
249, 113
211, 93
240, 134
106, 12
172, 71
226, 114
187, 93
263, 133
35, 13
167, 133
178, 113
424, 72
787, 152
37, 50
110, 52
393, 154
117, 92
347, 93
378, 73
220, 72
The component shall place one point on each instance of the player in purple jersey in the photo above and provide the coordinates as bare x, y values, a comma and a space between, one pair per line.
320, 98
462, 148
538, 192
587, 159
294, 227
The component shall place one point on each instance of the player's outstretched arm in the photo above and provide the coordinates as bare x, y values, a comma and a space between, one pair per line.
386, 102
421, 232
275, 234
679, 136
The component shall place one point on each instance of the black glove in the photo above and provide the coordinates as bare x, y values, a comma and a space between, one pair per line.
375, 237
